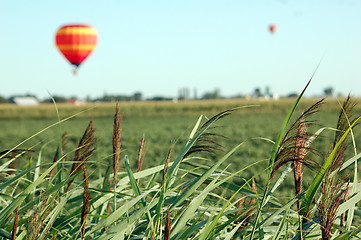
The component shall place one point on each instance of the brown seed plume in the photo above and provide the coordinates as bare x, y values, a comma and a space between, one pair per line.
300, 153
36, 222
206, 142
252, 203
240, 205
12, 153
107, 186
346, 118
85, 149
343, 216
168, 226
294, 146
86, 199
117, 130
249, 211
331, 187
141, 155
332, 196
166, 163
16, 223
254, 190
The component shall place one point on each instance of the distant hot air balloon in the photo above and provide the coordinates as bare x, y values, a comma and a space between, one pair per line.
76, 42
272, 28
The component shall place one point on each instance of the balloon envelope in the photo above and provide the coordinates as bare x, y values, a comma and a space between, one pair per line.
76, 42
273, 28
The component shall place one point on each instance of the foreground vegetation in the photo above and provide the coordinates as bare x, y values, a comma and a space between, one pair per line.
194, 190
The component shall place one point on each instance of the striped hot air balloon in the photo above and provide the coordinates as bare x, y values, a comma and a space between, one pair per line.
272, 28
76, 42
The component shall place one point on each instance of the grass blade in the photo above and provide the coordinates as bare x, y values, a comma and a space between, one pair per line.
12, 206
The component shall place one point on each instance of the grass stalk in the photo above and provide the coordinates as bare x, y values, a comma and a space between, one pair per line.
86, 199
141, 155
16, 223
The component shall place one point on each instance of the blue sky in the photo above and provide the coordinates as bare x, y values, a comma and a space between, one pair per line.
157, 47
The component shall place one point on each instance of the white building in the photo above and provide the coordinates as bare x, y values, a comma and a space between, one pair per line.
25, 101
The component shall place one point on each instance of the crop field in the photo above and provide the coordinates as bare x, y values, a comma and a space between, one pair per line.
255, 123
217, 181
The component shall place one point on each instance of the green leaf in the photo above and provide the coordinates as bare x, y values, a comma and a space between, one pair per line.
280, 227
191, 189
13, 205
118, 214
349, 204
195, 128
5, 233
118, 230
53, 215
173, 169
132, 180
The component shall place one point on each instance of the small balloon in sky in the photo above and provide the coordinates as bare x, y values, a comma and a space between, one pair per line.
273, 28
76, 42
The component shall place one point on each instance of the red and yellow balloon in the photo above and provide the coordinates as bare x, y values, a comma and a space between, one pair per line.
273, 28
76, 42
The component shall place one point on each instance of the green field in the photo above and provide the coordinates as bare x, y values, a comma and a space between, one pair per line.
162, 123
217, 183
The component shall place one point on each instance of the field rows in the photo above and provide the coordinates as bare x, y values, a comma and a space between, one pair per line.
210, 182
162, 123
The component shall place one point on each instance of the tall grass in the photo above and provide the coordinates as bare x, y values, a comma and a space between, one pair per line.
188, 195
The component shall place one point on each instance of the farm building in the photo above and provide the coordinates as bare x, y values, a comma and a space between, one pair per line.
25, 101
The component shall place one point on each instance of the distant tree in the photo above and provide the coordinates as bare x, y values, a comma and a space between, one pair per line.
29, 95
137, 96
57, 99
239, 95
292, 95
3, 99
159, 98
122, 98
107, 98
216, 94
207, 95
328, 91
119, 98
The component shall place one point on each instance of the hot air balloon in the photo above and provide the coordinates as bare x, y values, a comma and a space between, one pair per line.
76, 42
272, 28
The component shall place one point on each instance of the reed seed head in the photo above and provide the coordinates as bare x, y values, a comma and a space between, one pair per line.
168, 226
141, 155
85, 149
86, 199
117, 130
16, 223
